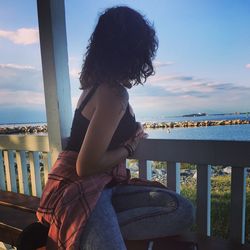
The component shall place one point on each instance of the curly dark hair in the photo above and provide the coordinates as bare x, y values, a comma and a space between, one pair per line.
120, 50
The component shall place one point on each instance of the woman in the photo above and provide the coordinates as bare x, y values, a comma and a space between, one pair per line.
89, 201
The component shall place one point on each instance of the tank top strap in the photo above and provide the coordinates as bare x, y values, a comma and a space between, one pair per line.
87, 98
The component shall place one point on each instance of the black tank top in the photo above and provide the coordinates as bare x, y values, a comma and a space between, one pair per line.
124, 131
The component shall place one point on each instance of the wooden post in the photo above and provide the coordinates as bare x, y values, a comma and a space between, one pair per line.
2, 174
53, 42
238, 205
204, 199
173, 176
145, 169
10, 170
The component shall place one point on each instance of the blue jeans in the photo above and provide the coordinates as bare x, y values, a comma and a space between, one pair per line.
134, 213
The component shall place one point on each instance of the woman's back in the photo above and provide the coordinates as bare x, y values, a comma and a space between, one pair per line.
126, 127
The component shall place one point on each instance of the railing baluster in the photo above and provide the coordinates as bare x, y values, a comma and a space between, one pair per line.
127, 163
10, 170
22, 172
142, 164
35, 174
238, 205
173, 176
7, 170
25, 172
45, 166
145, 169
204, 199
149, 170
2, 175
49, 161
32, 174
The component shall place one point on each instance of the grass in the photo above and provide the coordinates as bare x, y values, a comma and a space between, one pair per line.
220, 204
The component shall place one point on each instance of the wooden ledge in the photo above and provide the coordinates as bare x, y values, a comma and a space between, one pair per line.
19, 201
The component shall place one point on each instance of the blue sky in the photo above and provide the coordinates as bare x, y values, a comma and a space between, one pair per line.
202, 65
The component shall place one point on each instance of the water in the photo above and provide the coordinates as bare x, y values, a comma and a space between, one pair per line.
229, 132
12, 125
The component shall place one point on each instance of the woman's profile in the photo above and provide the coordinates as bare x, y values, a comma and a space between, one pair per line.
89, 201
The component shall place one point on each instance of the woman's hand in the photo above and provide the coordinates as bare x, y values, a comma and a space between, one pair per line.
140, 130
135, 139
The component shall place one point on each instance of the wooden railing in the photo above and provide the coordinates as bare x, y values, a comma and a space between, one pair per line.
21, 158
204, 154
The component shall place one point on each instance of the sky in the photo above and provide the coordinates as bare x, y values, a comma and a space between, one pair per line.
202, 64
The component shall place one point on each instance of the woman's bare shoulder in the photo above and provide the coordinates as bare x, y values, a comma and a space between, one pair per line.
113, 95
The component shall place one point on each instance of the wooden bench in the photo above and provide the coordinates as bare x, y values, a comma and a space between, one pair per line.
17, 211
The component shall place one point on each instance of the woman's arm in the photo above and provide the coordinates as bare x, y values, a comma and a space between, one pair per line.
93, 157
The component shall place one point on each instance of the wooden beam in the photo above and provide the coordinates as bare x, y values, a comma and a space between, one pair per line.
22, 202
22, 172
35, 176
203, 212
145, 169
2, 174
238, 205
10, 170
228, 153
53, 42
173, 176
24, 142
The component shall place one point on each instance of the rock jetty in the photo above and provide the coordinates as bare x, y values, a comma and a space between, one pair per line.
24, 130
189, 124
184, 124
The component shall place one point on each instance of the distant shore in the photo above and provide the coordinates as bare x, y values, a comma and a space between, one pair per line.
42, 129
24, 129
190, 124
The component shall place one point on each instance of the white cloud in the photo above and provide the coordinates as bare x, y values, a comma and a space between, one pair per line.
159, 64
181, 85
160, 78
20, 77
248, 66
75, 73
74, 59
180, 94
74, 100
183, 104
157, 78
21, 98
16, 66
24, 36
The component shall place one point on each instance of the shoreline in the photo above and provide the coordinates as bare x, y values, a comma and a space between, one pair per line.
39, 129
191, 124
29, 129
